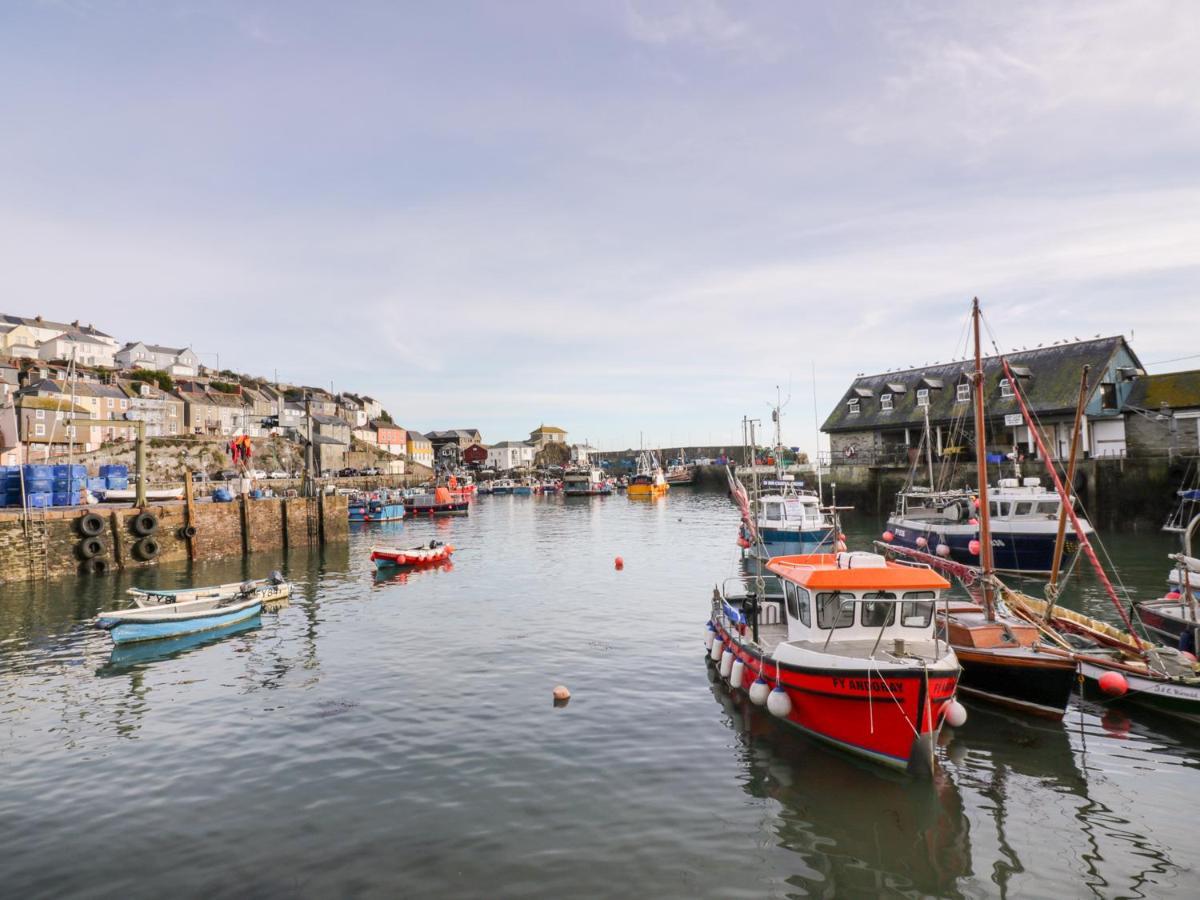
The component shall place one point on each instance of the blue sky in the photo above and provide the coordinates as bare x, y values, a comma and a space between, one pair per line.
617, 217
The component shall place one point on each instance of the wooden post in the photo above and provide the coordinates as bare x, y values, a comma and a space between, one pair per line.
245, 525
118, 552
283, 511
189, 514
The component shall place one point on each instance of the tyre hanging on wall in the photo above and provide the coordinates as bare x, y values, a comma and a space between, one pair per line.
94, 566
91, 547
144, 524
187, 531
90, 525
146, 549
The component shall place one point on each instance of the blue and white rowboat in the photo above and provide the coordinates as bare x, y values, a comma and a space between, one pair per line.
189, 617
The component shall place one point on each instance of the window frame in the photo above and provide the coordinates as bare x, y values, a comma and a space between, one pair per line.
922, 397
962, 392
885, 403
824, 598
889, 618
854, 406
910, 599
1006, 389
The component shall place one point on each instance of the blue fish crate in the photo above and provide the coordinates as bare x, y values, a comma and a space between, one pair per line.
36, 472
117, 483
64, 499
39, 485
115, 469
40, 499
95, 484
63, 471
67, 485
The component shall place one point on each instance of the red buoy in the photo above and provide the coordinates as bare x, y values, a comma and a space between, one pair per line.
888, 536
972, 521
618, 563
1114, 684
974, 548
1173, 595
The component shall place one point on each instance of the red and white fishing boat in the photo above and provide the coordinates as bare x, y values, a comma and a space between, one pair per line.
846, 651
422, 555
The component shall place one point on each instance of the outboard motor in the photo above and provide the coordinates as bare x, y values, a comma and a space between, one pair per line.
276, 577
247, 587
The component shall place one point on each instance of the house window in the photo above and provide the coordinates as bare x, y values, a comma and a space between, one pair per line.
124, 404
853, 405
110, 402
922, 396
40, 413
1108, 395
962, 393
39, 429
1005, 388
885, 403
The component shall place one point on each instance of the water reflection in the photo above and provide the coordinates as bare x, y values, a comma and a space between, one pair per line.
125, 656
862, 831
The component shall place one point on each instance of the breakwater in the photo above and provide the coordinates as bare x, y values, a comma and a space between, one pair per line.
53, 543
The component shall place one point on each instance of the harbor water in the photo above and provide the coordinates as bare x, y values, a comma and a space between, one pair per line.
395, 736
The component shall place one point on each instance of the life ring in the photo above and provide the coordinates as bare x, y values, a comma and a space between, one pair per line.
90, 525
144, 524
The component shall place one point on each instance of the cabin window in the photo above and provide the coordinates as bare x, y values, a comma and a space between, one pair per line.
831, 613
802, 602
922, 396
1004, 510
1108, 396
1048, 508
774, 511
853, 406
1023, 508
995, 510
877, 614
962, 392
885, 403
789, 591
917, 609
1005, 388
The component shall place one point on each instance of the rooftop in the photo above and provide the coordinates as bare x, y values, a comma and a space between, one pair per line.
1176, 390
819, 571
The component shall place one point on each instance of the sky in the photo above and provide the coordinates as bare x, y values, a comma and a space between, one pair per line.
631, 219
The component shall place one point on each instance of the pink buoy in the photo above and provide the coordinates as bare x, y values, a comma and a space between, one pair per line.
974, 548
1114, 684
922, 543
943, 550
841, 536
1173, 595
888, 536
972, 521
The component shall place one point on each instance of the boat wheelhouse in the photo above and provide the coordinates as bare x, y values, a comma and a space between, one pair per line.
788, 521
503, 486
649, 480
1024, 525
847, 651
585, 483
681, 473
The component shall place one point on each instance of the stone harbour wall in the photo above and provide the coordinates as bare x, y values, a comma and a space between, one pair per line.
49, 544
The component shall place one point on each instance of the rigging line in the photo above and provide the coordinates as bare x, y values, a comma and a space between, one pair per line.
1162, 362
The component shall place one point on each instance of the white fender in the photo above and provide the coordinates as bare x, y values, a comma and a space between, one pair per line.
710, 635
737, 673
726, 663
779, 703
759, 691
717, 647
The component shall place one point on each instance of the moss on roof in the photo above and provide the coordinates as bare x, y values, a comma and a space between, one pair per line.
1177, 390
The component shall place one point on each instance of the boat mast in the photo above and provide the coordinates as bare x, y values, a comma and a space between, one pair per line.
817, 434
1060, 539
928, 447
985, 529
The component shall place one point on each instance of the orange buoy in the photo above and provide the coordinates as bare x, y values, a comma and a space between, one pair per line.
1114, 684
618, 563
561, 694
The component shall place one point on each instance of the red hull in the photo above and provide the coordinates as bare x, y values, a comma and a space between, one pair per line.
892, 720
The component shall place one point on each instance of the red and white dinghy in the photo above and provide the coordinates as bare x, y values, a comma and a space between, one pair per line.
421, 555
845, 649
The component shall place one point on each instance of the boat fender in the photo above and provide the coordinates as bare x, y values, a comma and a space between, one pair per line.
759, 691
737, 674
91, 546
717, 647
144, 524
1114, 684
973, 522
90, 525
922, 542
839, 547
974, 547
943, 550
956, 714
94, 566
710, 635
888, 537
146, 549
187, 531
779, 703
726, 662
1172, 595
618, 564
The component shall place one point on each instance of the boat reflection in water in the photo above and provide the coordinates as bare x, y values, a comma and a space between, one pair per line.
862, 830
125, 656
388, 576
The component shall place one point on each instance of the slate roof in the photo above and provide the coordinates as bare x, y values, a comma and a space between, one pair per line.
504, 445
328, 439
61, 326
1178, 390
56, 403
322, 419
1052, 386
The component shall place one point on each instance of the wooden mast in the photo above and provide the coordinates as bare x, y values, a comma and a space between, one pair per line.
1060, 539
985, 529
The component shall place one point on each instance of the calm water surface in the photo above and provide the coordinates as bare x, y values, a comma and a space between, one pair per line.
383, 738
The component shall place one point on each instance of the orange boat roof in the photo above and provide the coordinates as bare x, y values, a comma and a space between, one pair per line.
820, 571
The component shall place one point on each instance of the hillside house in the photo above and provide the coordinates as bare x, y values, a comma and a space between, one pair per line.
179, 362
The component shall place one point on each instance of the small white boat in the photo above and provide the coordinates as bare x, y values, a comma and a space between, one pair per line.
189, 616
154, 597
129, 495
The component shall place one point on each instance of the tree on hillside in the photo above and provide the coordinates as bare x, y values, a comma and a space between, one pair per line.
154, 376
554, 454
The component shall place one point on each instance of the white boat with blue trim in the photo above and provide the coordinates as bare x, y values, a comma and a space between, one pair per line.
169, 620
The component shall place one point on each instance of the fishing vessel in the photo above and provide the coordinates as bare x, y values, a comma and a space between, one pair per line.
585, 482
782, 520
421, 555
377, 507
190, 616
846, 651
680, 473
439, 503
1175, 618
649, 480
502, 486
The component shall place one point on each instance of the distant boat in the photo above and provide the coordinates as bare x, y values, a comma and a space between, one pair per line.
649, 480
189, 616
502, 486
421, 555
585, 482
380, 507
439, 503
129, 495
680, 473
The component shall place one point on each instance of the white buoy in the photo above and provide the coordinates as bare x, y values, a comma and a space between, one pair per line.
737, 674
717, 647
956, 714
726, 663
943, 550
759, 691
779, 703
710, 635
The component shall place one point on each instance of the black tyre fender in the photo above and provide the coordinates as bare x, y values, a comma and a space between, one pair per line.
187, 531
91, 547
95, 566
144, 524
90, 524
146, 549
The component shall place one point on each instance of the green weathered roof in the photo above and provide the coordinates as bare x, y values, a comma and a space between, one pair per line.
1052, 386
1177, 390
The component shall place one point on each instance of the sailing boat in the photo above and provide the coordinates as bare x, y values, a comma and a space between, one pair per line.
1004, 659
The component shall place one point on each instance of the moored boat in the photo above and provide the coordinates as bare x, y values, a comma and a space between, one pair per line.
152, 597
680, 474
439, 503
189, 616
585, 482
378, 507
502, 486
649, 480
847, 652
421, 555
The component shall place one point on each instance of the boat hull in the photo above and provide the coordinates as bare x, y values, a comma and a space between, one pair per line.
1170, 697
388, 512
1035, 683
172, 627
1011, 552
889, 716
647, 490
1167, 618
437, 509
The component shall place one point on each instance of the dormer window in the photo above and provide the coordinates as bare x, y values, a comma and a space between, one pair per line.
885, 402
922, 396
852, 405
962, 393
1005, 388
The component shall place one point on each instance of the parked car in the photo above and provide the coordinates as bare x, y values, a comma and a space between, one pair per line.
371, 471
347, 473
257, 473
278, 474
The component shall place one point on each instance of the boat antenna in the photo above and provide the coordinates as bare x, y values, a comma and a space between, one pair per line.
817, 434
985, 530
1052, 587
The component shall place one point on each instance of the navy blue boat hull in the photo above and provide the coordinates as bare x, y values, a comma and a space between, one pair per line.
1010, 552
